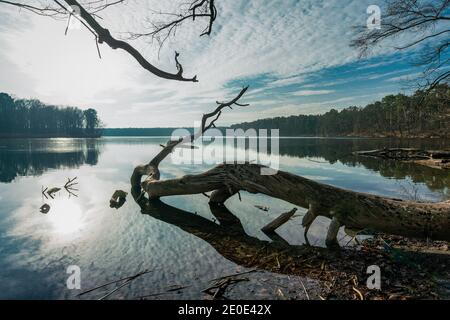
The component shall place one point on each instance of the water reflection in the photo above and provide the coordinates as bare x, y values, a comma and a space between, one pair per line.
108, 243
341, 150
229, 238
32, 157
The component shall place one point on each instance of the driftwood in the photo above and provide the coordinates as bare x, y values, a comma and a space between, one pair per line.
52, 191
68, 186
118, 199
431, 158
354, 210
282, 219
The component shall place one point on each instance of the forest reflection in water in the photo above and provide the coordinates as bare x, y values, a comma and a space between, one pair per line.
109, 244
32, 157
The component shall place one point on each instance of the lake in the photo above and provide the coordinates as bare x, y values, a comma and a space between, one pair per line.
108, 244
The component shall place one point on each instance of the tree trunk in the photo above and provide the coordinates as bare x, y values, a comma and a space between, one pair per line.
354, 210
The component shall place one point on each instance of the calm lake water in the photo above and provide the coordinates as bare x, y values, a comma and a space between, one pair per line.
108, 244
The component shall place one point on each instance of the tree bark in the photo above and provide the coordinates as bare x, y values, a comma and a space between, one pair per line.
354, 210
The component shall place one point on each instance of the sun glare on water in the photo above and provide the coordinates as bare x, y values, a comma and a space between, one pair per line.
66, 217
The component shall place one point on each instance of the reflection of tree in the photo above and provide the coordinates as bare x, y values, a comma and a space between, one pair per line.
92, 152
343, 270
334, 150
34, 162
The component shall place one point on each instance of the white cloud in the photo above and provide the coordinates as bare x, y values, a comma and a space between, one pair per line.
406, 77
284, 40
288, 81
302, 93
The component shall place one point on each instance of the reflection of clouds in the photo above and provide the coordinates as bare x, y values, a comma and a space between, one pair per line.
108, 244
67, 219
105, 243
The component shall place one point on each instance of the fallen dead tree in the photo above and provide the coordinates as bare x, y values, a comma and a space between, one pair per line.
351, 209
354, 210
431, 158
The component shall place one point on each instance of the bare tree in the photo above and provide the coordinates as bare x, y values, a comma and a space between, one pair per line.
88, 13
426, 22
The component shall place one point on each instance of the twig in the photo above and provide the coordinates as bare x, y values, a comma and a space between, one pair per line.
43, 192
116, 289
69, 186
126, 279
359, 293
304, 289
279, 221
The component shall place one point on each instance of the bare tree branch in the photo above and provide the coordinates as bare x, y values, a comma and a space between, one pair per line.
428, 20
163, 29
105, 36
87, 16
151, 169
54, 10
44, 10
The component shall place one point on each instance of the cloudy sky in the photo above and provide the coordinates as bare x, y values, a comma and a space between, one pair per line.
295, 55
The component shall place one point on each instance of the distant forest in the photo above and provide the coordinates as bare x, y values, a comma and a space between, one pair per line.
394, 116
32, 118
138, 132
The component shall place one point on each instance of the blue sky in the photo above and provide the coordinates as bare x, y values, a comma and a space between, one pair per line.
295, 55
352, 84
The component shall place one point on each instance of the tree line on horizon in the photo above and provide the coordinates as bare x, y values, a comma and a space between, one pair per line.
416, 115
31, 117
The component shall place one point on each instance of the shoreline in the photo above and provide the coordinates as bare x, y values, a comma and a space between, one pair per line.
47, 136
281, 137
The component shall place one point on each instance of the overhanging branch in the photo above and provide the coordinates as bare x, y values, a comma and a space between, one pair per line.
103, 35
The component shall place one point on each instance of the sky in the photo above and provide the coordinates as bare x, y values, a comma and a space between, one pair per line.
294, 55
